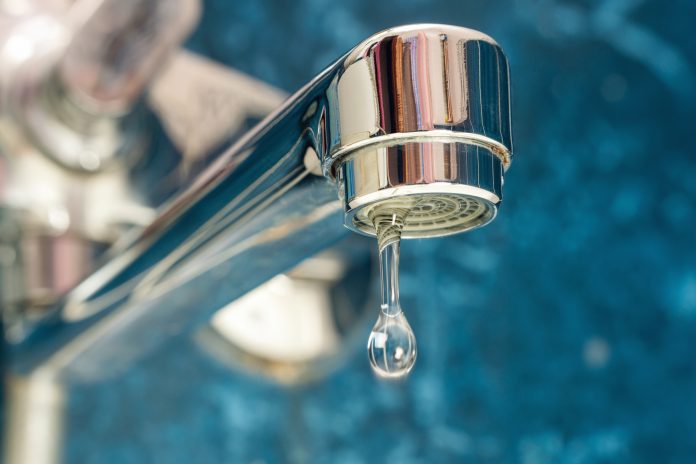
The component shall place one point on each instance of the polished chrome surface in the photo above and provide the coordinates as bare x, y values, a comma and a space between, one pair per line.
263, 205
421, 111
421, 82
449, 187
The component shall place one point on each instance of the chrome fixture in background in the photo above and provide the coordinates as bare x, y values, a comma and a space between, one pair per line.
418, 110
74, 129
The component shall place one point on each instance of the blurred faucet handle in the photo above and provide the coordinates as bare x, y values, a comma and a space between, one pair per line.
118, 48
77, 93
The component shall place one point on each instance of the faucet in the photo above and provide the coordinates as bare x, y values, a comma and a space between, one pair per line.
420, 111
417, 110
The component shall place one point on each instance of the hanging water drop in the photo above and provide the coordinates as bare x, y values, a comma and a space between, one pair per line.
392, 345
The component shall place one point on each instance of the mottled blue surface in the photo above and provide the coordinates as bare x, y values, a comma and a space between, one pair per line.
564, 332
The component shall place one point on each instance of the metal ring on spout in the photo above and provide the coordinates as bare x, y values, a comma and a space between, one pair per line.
450, 187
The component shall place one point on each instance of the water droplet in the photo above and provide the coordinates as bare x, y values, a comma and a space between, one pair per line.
392, 346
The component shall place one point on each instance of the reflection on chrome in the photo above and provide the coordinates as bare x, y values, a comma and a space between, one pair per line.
300, 325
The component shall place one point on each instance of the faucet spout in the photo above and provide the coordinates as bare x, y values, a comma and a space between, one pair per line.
416, 112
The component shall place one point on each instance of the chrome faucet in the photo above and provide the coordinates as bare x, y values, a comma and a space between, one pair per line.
415, 111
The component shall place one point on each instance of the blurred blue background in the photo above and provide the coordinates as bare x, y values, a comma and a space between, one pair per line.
561, 333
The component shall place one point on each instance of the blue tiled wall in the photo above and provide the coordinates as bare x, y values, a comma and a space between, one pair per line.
564, 332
